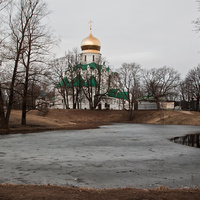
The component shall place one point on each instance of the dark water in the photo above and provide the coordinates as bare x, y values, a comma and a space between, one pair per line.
192, 140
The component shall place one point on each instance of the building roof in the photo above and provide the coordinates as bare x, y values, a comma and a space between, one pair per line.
91, 44
77, 82
115, 93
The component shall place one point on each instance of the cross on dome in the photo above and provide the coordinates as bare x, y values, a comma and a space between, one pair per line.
90, 22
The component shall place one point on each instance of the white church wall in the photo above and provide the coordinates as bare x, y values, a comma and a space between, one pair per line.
147, 105
87, 58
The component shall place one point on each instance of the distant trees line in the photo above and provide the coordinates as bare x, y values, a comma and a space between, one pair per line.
27, 68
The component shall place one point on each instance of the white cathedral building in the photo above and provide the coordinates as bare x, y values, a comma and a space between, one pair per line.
90, 84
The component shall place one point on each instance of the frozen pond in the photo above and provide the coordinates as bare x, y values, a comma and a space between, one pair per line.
120, 155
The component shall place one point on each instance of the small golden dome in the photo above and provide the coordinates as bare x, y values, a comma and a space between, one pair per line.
91, 44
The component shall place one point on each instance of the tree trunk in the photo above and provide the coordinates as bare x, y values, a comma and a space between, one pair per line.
11, 96
197, 104
91, 105
131, 114
135, 105
64, 98
74, 99
77, 102
67, 98
23, 122
2, 113
24, 103
158, 105
27, 66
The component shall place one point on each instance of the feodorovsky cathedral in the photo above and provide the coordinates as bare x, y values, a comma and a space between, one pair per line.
89, 84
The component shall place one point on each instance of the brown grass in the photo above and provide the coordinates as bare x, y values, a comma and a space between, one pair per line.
83, 119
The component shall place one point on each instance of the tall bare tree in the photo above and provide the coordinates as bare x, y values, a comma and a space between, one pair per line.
97, 79
161, 83
130, 75
66, 68
73, 75
57, 77
2, 112
37, 46
193, 81
185, 94
29, 42
4, 4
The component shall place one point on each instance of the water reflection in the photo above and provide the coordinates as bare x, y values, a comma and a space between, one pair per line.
189, 140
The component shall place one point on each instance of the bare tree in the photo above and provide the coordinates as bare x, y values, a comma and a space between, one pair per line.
193, 81
130, 74
97, 79
4, 4
185, 94
74, 78
29, 42
66, 68
37, 46
59, 79
161, 83
3, 36
2, 112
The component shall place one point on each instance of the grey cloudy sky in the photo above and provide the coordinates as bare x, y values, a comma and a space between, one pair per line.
152, 33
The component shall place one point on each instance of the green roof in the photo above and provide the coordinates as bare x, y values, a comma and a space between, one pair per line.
78, 81
117, 94
91, 82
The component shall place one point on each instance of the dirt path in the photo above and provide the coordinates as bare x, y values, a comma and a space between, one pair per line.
21, 192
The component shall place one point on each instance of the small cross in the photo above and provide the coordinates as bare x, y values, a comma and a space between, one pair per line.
90, 22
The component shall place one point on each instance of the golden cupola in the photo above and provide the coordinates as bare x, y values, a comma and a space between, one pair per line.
91, 44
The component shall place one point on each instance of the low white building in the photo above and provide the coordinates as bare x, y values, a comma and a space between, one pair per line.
148, 103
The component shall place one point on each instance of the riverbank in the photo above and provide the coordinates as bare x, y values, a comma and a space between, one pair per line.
87, 119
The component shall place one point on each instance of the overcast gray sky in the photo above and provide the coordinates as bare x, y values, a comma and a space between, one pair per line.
152, 33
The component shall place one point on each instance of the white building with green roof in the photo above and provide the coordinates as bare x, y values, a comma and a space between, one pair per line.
90, 84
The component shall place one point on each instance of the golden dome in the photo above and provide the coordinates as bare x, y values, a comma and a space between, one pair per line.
91, 44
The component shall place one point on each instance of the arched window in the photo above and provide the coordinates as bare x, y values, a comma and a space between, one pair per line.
93, 58
85, 58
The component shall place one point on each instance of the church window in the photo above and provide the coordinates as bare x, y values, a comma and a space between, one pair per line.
93, 58
85, 58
